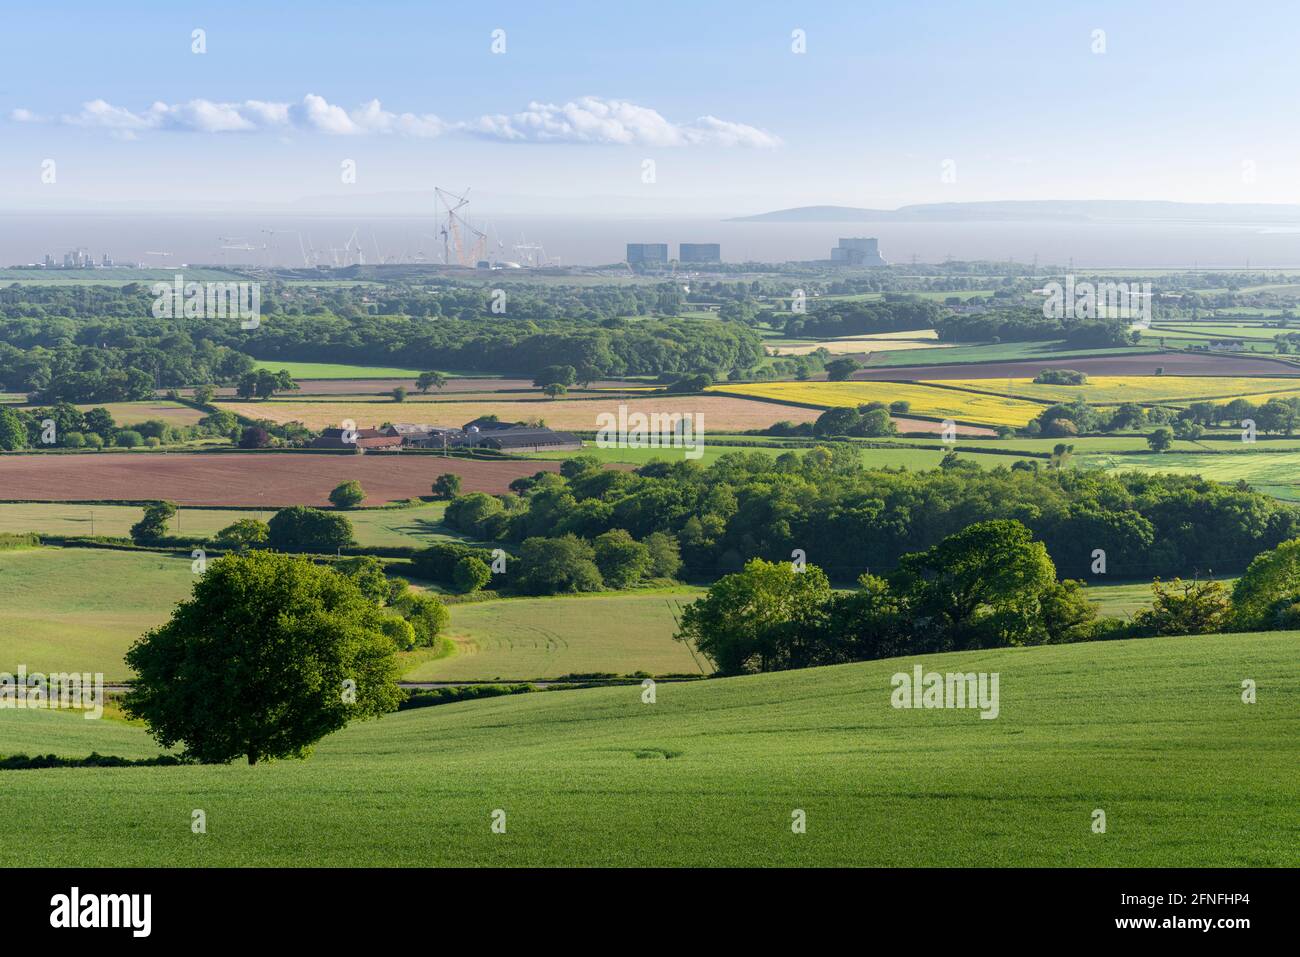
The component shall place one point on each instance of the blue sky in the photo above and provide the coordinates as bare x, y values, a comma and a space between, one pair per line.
1190, 101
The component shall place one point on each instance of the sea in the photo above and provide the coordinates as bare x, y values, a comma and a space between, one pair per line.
168, 239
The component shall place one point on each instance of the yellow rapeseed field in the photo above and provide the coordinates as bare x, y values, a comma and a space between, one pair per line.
1132, 388
925, 400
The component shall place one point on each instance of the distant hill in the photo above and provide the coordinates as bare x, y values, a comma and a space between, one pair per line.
1039, 210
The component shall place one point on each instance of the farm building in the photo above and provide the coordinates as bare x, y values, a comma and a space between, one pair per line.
372, 440
524, 438
481, 433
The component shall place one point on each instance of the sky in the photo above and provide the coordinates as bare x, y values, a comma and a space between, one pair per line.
636, 108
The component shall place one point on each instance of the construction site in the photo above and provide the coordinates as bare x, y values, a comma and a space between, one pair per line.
456, 242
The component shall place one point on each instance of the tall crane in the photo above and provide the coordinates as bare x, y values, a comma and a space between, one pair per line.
457, 234
354, 243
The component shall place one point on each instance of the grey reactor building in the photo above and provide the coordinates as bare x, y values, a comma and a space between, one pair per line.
656, 254
858, 252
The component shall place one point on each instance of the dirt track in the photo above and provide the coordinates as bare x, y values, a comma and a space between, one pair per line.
257, 479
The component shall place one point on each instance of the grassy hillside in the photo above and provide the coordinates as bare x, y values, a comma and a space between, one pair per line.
79, 609
1154, 732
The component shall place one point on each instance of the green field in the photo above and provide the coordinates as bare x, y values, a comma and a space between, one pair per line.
873, 458
522, 638
106, 599
375, 527
1280, 469
1120, 601
1153, 732
1215, 330
335, 370
79, 609
1126, 600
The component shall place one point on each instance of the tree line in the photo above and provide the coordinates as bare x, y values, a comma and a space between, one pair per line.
58, 345
852, 520
990, 585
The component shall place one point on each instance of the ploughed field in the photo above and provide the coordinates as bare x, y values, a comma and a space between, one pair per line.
1152, 732
257, 479
1174, 363
721, 413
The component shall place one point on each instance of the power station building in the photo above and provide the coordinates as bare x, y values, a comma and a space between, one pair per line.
647, 254
699, 253
858, 252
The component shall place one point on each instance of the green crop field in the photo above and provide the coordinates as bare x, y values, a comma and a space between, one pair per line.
1084, 443
376, 527
522, 638
79, 609
1126, 600
1216, 330
710, 452
1153, 732
1257, 468
1120, 601
875, 458
335, 370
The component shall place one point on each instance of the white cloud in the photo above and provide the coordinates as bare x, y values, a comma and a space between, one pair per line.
589, 119
592, 119
23, 116
317, 113
710, 129
99, 113
373, 118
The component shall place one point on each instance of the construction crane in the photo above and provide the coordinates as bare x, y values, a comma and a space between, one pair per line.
311, 255
360, 253
457, 234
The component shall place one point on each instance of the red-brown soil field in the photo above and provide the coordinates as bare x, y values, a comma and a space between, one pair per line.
906, 425
271, 479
